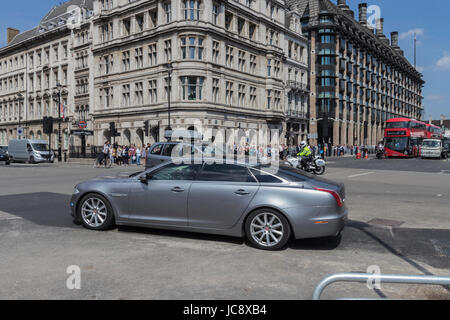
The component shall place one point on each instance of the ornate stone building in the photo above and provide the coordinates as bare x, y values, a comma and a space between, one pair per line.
228, 64
32, 65
231, 64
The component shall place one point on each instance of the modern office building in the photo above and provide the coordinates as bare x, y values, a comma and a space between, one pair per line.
359, 78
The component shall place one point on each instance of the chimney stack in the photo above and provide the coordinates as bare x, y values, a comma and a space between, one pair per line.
363, 14
380, 27
394, 40
11, 34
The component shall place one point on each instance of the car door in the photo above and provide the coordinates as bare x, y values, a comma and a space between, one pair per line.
220, 195
162, 199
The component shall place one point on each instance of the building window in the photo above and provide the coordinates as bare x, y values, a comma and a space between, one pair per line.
139, 93
229, 57
242, 61
192, 48
168, 50
168, 11
241, 95
215, 90
252, 97
153, 91
126, 60
216, 51
229, 92
191, 9
152, 55
126, 95
139, 58
215, 13
192, 88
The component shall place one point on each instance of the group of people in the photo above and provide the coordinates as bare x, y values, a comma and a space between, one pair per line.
125, 155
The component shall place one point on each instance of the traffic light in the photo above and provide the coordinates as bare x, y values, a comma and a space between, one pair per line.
47, 124
112, 128
147, 128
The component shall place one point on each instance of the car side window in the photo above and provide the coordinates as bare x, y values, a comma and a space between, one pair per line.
174, 172
157, 149
265, 178
226, 173
167, 152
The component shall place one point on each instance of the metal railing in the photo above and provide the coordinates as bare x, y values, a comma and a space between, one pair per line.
364, 277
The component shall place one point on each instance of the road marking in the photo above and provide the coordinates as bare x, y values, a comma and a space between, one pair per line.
360, 175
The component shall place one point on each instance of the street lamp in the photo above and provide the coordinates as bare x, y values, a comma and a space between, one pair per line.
20, 98
169, 90
59, 88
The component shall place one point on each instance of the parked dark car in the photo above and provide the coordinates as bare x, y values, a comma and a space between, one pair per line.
4, 156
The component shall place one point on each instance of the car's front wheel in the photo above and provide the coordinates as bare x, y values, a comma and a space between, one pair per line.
267, 229
96, 213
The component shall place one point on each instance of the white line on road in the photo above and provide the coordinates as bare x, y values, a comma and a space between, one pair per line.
360, 175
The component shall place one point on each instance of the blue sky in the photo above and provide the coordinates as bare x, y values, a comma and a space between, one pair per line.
429, 18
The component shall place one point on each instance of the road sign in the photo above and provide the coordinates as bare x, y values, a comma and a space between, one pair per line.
81, 132
313, 136
82, 125
20, 132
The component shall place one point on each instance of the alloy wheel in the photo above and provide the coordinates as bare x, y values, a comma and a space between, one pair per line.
267, 229
94, 212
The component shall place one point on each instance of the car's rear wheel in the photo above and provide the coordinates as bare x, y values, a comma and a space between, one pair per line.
267, 229
96, 213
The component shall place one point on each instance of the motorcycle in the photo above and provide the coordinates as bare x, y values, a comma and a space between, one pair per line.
380, 154
316, 165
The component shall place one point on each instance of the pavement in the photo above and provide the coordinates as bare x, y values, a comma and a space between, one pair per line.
399, 221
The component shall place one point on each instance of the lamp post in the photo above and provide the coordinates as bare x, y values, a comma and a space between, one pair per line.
20, 98
169, 90
58, 86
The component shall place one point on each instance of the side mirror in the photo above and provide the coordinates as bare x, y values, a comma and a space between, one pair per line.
144, 178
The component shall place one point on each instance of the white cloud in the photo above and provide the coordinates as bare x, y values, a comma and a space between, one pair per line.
444, 62
410, 33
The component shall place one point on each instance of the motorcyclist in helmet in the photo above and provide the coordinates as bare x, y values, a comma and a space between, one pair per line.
305, 154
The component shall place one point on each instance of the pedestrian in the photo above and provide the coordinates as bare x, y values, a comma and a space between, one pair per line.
138, 156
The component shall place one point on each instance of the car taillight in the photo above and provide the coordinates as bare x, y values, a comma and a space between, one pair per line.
336, 196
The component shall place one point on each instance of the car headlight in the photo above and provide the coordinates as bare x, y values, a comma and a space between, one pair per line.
76, 191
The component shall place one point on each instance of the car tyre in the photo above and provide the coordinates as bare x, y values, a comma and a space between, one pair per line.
96, 213
267, 229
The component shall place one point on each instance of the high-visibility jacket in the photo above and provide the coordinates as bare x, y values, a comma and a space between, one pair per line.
305, 152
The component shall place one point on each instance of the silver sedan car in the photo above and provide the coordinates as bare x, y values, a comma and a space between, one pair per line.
232, 199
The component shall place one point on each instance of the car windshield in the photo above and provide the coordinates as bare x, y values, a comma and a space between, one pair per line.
40, 147
397, 125
397, 144
432, 144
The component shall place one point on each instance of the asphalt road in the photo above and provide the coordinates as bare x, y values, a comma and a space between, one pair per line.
399, 221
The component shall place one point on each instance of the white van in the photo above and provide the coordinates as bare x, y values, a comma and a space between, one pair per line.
32, 151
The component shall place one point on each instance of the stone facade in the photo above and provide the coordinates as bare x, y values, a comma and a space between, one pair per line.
232, 64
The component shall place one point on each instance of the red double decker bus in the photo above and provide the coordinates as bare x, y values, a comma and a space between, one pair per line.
403, 137
434, 132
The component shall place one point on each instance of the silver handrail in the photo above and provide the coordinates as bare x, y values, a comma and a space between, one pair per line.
364, 277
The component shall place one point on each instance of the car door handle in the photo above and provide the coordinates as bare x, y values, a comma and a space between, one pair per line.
242, 192
177, 189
